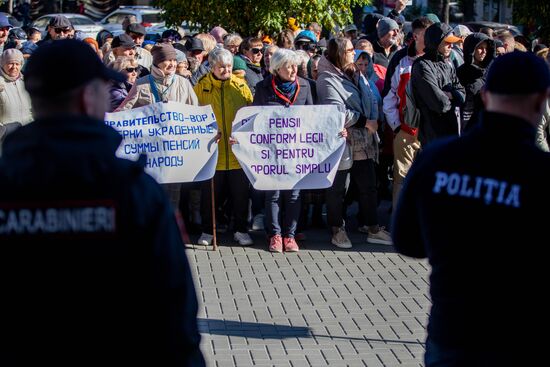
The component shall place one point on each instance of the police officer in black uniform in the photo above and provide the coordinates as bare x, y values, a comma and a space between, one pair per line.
92, 266
476, 207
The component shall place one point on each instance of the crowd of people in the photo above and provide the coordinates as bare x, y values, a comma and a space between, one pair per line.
399, 93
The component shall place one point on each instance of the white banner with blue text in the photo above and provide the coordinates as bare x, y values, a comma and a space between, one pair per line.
283, 148
178, 140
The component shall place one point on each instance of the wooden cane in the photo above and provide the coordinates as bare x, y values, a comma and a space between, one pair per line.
214, 239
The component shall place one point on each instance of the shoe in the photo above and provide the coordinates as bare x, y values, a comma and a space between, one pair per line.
243, 239
340, 239
290, 245
382, 237
300, 236
363, 229
276, 244
205, 239
258, 222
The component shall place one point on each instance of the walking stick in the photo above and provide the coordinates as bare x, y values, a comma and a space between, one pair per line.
214, 239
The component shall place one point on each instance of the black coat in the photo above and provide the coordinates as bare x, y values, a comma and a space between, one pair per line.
265, 95
92, 265
431, 77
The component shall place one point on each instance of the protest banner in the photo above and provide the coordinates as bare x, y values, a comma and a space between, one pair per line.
178, 140
283, 148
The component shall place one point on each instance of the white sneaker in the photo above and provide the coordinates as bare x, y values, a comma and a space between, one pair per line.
340, 239
205, 239
382, 237
243, 239
258, 222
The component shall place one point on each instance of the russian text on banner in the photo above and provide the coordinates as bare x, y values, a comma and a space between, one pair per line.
283, 148
178, 140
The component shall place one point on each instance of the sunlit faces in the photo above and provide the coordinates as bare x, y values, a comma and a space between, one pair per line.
12, 69
222, 71
445, 48
168, 67
288, 72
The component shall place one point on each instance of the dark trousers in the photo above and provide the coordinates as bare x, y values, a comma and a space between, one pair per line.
289, 201
335, 199
363, 176
236, 182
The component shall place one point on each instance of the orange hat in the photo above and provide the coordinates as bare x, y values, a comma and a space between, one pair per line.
451, 38
267, 39
92, 42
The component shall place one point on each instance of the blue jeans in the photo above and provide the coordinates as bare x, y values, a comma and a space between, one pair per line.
289, 201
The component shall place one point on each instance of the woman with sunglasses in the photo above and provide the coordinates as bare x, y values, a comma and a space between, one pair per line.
341, 83
119, 91
251, 51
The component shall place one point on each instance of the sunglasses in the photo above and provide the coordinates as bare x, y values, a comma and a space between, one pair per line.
64, 30
131, 70
256, 50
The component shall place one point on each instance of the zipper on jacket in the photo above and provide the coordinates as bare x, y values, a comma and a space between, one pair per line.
225, 130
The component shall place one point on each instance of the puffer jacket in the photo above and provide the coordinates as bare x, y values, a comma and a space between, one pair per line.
358, 103
472, 76
431, 77
178, 89
15, 103
118, 92
226, 98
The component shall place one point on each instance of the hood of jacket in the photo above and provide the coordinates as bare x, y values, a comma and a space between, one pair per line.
432, 39
472, 42
326, 66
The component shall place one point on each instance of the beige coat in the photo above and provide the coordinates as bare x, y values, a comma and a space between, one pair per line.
180, 90
15, 103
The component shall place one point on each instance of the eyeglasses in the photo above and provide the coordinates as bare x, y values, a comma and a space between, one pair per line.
64, 30
256, 50
131, 70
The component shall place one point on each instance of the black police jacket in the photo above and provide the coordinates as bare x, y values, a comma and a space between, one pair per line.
92, 266
476, 207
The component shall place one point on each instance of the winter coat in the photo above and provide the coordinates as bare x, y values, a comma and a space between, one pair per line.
226, 98
203, 69
380, 57
472, 77
95, 239
358, 103
118, 92
265, 95
15, 103
178, 89
431, 77
253, 74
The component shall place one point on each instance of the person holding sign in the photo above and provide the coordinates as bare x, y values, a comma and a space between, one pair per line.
226, 93
341, 83
283, 87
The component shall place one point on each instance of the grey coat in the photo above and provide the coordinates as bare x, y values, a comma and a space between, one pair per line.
334, 87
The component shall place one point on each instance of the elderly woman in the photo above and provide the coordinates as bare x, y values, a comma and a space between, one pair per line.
232, 42
226, 93
341, 83
15, 104
283, 87
119, 91
162, 85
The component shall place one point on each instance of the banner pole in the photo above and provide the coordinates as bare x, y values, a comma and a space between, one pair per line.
213, 208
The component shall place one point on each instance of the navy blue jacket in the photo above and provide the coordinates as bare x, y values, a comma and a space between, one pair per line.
92, 265
476, 207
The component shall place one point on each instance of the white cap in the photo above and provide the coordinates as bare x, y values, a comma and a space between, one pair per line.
461, 31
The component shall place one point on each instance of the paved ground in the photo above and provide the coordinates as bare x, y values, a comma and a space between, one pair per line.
323, 306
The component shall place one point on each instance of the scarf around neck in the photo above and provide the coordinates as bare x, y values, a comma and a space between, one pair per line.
286, 88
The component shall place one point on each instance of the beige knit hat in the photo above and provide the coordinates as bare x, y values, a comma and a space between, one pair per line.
11, 55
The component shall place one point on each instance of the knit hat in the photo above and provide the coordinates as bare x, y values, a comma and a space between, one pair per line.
534, 76
239, 63
163, 52
434, 18
180, 56
385, 25
12, 55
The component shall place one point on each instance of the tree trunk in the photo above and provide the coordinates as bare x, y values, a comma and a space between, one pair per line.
446, 8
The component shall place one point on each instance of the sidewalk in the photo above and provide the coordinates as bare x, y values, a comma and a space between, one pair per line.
322, 306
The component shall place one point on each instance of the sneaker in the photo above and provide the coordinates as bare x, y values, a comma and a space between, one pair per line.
205, 239
382, 237
258, 222
243, 239
363, 229
276, 243
340, 239
291, 245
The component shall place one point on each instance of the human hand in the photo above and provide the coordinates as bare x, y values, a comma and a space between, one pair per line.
344, 133
232, 141
218, 137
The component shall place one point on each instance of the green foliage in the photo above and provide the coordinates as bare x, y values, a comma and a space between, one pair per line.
251, 17
533, 15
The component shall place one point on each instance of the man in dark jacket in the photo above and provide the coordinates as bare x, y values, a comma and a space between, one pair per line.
435, 87
479, 52
93, 269
485, 285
